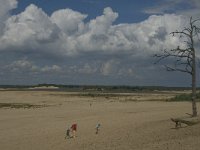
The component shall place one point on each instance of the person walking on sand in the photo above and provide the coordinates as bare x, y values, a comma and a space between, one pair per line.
67, 133
74, 129
97, 128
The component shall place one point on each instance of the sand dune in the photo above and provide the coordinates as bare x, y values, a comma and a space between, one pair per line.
125, 124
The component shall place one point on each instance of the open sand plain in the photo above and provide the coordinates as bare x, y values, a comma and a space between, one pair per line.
133, 122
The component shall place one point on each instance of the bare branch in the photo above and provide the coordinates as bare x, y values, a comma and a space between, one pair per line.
183, 56
180, 32
177, 69
193, 22
184, 59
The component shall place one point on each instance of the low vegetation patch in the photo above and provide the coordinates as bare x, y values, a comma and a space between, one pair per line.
94, 94
20, 105
184, 97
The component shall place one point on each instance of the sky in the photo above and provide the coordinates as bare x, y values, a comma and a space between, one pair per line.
92, 42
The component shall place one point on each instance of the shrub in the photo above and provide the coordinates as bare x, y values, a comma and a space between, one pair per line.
184, 97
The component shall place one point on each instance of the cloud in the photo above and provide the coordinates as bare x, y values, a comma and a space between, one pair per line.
65, 44
21, 66
30, 30
87, 69
69, 21
126, 72
96, 32
29, 67
191, 8
109, 67
5, 7
65, 33
163, 7
51, 69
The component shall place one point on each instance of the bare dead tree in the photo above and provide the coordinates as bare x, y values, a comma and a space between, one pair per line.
184, 58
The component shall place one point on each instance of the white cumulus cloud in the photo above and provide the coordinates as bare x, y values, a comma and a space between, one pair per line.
5, 7
69, 21
32, 29
65, 33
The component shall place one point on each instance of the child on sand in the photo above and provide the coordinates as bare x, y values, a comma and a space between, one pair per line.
97, 128
67, 133
74, 129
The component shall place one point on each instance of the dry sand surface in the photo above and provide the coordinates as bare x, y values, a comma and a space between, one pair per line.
127, 122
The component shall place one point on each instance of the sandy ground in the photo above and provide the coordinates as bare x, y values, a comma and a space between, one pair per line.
125, 124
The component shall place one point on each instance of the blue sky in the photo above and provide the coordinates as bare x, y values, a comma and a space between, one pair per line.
106, 42
129, 10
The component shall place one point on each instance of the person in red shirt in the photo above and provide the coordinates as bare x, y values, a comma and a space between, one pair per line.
74, 129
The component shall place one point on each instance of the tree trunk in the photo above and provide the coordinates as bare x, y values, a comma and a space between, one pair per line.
194, 106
